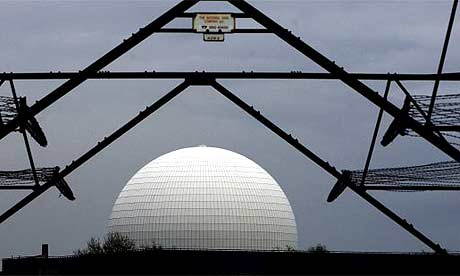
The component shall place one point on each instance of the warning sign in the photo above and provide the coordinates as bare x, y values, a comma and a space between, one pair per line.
213, 23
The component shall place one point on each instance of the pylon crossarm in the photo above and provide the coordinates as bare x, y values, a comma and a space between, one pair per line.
326, 166
58, 179
348, 79
102, 62
103, 75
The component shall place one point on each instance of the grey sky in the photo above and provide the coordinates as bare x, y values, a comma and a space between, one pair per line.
328, 117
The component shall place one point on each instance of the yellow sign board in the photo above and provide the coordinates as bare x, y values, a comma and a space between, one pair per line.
213, 23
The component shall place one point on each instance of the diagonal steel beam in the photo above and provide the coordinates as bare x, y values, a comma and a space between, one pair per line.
442, 59
345, 77
96, 149
374, 136
326, 166
102, 62
24, 134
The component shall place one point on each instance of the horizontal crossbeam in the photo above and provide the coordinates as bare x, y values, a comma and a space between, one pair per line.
455, 76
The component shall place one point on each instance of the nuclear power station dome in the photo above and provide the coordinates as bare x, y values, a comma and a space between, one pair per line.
204, 198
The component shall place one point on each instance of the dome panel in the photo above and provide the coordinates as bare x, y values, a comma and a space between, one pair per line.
205, 198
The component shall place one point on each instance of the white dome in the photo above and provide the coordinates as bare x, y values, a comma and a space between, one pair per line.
204, 198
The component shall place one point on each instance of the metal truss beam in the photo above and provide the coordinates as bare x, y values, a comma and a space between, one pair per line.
326, 166
95, 150
442, 59
374, 135
102, 62
340, 73
24, 133
226, 75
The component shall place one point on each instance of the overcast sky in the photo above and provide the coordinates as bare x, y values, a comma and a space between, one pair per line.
327, 116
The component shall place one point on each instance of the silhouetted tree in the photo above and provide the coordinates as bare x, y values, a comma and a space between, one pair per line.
93, 246
114, 242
